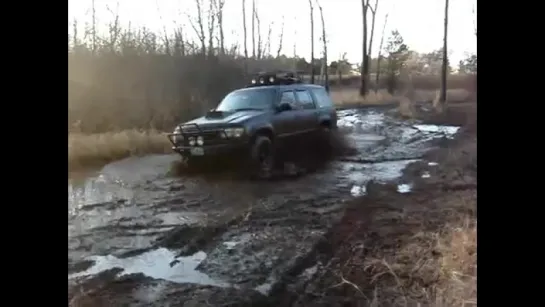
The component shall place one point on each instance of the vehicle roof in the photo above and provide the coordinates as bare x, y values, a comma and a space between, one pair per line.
290, 86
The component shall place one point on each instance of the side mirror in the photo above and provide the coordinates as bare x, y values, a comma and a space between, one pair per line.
284, 107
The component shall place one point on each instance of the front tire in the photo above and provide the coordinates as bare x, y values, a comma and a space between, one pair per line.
262, 158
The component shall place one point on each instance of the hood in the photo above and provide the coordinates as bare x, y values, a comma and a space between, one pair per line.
226, 118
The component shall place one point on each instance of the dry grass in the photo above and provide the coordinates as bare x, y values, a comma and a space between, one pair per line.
433, 264
89, 150
351, 97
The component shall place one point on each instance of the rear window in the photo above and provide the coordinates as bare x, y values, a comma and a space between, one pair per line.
322, 98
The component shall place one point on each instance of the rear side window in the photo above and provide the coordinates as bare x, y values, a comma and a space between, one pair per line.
305, 100
289, 97
322, 98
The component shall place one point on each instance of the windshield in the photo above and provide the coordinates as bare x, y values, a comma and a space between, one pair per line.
248, 99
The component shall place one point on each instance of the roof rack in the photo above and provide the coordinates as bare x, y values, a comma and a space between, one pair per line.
278, 77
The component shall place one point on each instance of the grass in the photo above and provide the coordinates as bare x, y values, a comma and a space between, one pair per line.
347, 97
91, 150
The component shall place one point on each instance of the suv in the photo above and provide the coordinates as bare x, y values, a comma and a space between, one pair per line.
275, 111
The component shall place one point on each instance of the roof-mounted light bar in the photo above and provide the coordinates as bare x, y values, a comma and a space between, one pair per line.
274, 78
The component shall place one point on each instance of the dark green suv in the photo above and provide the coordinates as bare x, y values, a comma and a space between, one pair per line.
274, 112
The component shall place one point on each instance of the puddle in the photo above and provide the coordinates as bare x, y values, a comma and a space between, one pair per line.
427, 132
404, 188
360, 174
358, 191
265, 288
159, 264
353, 120
448, 130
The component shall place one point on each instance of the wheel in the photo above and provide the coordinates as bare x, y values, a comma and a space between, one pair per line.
327, 141
262, 158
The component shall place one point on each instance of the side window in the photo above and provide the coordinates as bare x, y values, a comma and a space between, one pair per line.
289, 97
304, 99
322, 98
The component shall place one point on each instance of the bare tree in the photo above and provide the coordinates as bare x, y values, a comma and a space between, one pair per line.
253, 29
443, 94
244, 30
219, 11
267, 49
259, 40
311, 41
94, 28
365, 57
114, 28
373, 17
379, 57
295, 45
166, 40
179, 43
280, 39
211, 27
324, 40
199, 28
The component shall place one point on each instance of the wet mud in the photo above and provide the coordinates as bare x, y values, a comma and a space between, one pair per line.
143, 235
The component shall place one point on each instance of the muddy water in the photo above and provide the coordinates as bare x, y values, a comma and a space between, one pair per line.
136, 216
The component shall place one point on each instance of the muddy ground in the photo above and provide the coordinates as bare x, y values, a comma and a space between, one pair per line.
143, 235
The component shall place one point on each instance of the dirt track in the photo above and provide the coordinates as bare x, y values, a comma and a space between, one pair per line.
142, 236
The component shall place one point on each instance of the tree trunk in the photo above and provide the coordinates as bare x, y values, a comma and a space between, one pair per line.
280, 39
324, 40
244, 30
370, 49
374, 12
312, 72
253, 29
379, 57
221, 3
364, 62
443, 94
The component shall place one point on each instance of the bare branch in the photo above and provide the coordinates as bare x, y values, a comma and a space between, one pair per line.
325, 73
253, 29
281, 38
259, 40
165, 35
245, 36
311, 41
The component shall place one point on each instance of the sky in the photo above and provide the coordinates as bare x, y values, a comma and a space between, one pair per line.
420, 22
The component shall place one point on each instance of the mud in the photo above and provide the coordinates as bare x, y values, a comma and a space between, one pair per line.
142, 235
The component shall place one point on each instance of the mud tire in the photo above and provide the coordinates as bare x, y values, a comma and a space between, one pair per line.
262, 158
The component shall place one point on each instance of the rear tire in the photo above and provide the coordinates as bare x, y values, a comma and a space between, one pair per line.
262, 158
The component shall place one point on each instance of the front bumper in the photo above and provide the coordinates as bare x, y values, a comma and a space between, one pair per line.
214, 145
213, 150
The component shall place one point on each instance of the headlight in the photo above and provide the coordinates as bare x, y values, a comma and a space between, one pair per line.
191, 141
177, 137
200, 141
233, 132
